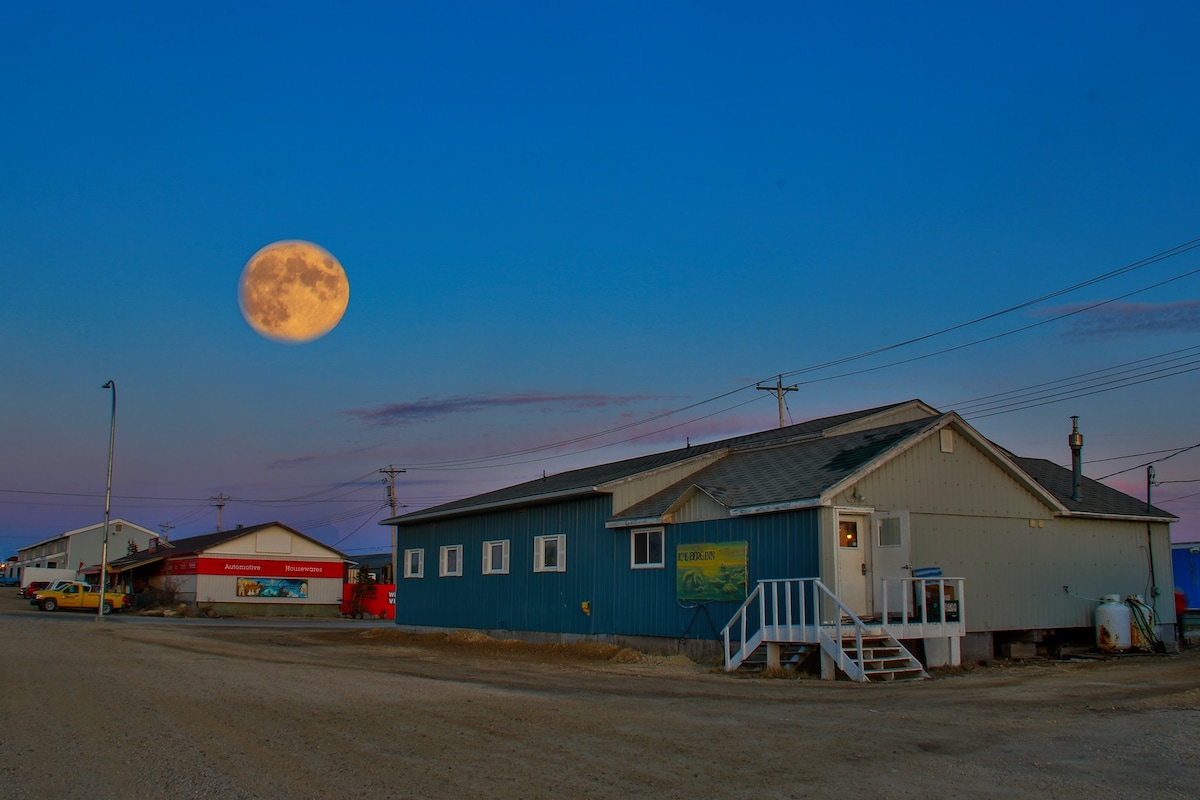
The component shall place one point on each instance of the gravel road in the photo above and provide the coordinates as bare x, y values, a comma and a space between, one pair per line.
138, 708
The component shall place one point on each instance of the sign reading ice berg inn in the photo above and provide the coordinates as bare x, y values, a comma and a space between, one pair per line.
711, 571
258, 567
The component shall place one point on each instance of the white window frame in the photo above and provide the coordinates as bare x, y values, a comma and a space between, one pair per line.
443, 555
539, 553
489, 549
419, 572
633, 549
882, 521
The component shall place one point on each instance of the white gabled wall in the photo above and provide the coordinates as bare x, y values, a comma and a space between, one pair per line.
976, 521
628, 492
274, 541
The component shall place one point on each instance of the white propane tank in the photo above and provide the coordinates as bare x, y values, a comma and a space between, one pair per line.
1113, 630
1141, 623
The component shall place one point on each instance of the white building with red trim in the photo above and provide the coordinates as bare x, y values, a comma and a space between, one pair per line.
260, 570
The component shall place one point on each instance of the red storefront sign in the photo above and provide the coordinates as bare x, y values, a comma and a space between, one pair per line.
259, 567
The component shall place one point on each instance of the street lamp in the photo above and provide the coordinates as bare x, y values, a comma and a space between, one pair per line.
112, 437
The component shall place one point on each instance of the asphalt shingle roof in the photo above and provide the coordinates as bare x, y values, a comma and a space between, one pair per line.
779, 466
196, 544
587, 478
783, 473
1095, 497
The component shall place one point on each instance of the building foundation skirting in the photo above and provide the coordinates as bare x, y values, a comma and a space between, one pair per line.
308, 610
695, 649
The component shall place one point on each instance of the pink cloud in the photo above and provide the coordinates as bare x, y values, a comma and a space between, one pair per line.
1123, 319
430, 408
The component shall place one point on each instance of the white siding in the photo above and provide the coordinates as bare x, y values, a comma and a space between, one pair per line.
973, 519
1016, 573
700, 506
626, 493
274, 541
966, 482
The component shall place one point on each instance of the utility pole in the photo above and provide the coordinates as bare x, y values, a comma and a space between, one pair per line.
220, 504
392, 472
164, 527
779, 389
1150, 541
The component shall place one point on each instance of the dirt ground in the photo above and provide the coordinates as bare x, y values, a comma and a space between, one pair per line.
152, 708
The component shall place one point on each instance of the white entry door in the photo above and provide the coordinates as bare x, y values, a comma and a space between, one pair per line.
853, 554
890, 558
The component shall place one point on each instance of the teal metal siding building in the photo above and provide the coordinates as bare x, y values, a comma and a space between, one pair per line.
599, 593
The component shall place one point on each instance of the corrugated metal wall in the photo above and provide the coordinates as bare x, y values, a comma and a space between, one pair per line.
522, 600
623, 601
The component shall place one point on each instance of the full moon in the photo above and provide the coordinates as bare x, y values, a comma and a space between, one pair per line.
293, 291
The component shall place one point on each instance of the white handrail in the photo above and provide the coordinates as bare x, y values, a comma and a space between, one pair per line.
793, 613
947, 610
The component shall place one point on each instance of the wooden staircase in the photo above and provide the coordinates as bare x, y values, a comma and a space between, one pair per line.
778, 625
792, 655
883, 658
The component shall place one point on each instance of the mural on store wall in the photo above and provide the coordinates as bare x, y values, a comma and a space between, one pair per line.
272, 587
711, 571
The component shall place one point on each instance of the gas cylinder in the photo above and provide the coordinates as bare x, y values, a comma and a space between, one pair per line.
1113, 630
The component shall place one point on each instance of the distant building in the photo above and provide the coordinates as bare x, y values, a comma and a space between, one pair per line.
81, 548
1186, 561
260, 570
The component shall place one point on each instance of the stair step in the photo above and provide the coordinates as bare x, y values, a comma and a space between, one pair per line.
876, 652
895, 675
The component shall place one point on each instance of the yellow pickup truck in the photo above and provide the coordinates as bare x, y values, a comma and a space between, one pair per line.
79, 596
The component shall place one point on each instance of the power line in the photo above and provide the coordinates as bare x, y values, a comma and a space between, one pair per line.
975, 342
1117, 369
1148, 463
1136, 265
373, 514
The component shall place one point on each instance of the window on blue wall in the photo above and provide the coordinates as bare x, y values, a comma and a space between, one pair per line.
495, 557
550, 553
414, 563
450, 561
646, 549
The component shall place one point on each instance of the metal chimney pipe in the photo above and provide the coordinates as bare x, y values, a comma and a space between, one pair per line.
1075, 440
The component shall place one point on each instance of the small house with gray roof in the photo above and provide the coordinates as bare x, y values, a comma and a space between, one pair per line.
886, 540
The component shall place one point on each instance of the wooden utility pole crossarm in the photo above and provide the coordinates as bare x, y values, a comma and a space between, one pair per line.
779, 389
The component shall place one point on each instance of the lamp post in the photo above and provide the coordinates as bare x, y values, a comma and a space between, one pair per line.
112, 437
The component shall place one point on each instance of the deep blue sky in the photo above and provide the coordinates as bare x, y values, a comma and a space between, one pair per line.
559, 220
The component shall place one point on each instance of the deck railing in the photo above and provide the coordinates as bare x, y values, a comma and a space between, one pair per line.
800, 610
805, 610
914, 608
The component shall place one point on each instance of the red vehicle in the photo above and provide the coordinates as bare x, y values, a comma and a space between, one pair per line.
33, 588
